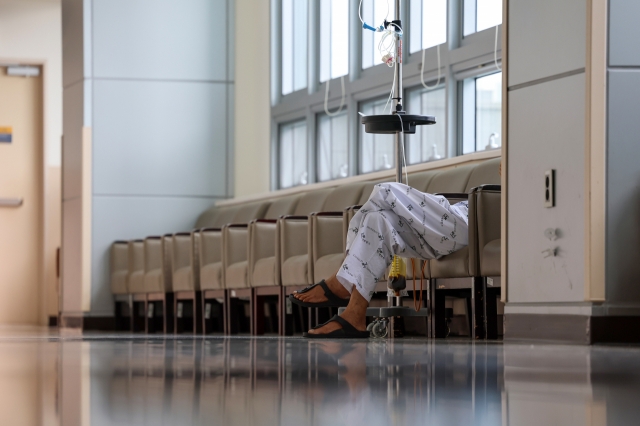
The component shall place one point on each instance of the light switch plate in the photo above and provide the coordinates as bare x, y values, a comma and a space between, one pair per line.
550, 188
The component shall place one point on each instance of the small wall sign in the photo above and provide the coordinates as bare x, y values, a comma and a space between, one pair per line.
6, 134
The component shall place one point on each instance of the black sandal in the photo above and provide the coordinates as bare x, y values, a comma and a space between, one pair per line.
346, 332
333, 301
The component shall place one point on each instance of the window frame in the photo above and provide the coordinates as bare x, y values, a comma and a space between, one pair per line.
461, 58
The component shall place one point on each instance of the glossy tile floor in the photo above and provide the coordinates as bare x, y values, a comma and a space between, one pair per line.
47, 379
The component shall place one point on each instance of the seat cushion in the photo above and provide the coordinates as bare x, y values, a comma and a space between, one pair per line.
211, 276
183, 279
236, 275
326, 266
490, 264
153, 281
119, 282
454, 265
264, 272
136, 282
295, 270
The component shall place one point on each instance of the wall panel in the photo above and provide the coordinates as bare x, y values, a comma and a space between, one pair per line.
624, 33
159, 138
160, 39
546, 38
546, 124
623, 187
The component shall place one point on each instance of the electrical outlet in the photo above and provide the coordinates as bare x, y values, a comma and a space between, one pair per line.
550, 188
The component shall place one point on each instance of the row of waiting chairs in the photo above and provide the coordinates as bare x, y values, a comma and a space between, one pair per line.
273, 247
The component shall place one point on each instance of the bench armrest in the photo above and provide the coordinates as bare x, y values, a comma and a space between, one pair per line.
454, 195
494, 188
292, 217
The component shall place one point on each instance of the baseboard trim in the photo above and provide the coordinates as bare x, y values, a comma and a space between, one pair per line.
71, 321
99, 324
615, 329
571, 329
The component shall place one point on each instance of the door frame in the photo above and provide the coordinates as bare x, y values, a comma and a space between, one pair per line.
41, 306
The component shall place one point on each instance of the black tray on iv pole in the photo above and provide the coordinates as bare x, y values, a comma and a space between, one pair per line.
390, 123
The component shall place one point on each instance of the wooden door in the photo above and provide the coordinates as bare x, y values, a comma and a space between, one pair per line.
21, 215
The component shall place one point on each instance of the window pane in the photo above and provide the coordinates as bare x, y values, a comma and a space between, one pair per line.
488, 14
428, 144
488, 111
376, 151
334, 39
428, 19
294, 45
481, 14
333, 147
374, 12
293, 154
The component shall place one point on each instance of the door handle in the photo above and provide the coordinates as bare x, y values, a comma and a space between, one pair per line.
11, 202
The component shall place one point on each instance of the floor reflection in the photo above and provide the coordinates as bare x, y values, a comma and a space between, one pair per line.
105, 380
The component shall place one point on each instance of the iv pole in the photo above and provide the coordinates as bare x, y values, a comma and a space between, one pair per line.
398, 123
397, 91
397, 103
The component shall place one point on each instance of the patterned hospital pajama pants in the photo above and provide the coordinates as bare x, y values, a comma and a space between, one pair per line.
399, 220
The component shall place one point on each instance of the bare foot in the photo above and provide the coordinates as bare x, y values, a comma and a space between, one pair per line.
317, 294
354, 314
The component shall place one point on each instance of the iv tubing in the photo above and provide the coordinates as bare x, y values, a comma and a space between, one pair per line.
326, 98
439, 70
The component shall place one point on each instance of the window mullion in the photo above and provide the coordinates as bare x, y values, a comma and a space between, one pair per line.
313, 37
355, 41
311, 146
276, 46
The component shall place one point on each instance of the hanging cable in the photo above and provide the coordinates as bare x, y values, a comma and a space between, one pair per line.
439, 70
417, 303
326, 98
360, 12
495, 51
393, 85
404, 160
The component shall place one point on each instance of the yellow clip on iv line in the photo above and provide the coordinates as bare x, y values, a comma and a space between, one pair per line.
398, 275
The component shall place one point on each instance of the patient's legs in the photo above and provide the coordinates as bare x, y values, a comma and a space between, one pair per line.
396, 220
354, 314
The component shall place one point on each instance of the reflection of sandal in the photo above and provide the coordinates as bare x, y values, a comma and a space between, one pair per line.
333, 301
346, 332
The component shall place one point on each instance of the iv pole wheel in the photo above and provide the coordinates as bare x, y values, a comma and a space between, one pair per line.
379, 328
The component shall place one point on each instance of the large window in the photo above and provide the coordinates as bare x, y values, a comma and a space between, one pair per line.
374, 12
450, 73
294, 45
333, 147
482, 113
481, 14
293, 154
334, 36
428, 144
377, 152
428, 19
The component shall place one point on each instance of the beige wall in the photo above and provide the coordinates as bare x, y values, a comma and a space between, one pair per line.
30, 32
252, 98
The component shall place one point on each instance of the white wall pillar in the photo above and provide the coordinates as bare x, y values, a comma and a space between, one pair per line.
147, 134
